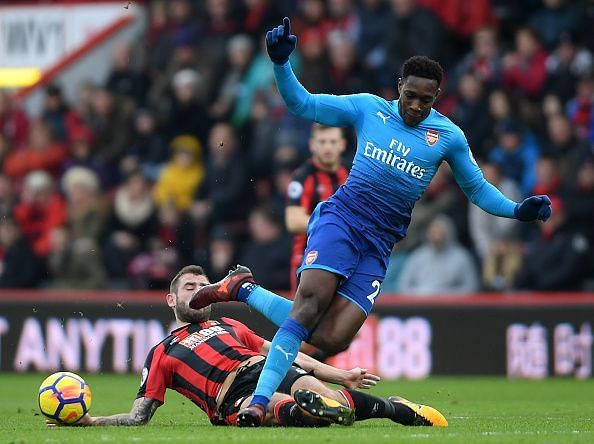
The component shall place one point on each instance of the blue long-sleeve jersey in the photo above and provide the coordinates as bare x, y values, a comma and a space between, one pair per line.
394, 162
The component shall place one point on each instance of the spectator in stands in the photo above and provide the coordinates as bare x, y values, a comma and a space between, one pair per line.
343, 17
562, 144
502, 263
221, 23
578, 196
240, 55
5, 148
484, 60
19, 267
85, 210
374, 16
524, 69
186, 113
55, 113
314, 60
580, 109
131, 225
441, 196
558, 259
222, 252
440, 265
485, 229
7, 196
225, 195
182, 176
42, 153
40, 210
14, 123
346, 72
149, 150
82, 155
75, 263
413, 30
555, 18
565, 65
111, 121
469, 112
123, 79
516, 155
269, 249
176, 231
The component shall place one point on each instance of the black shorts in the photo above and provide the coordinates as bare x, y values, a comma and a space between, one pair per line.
244, 385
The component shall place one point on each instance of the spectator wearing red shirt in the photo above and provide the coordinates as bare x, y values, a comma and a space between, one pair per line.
40, 210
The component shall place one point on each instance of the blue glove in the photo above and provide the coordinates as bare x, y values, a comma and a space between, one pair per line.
533, 208
280, 43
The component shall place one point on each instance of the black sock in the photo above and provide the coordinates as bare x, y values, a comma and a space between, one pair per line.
370, 406
288, 414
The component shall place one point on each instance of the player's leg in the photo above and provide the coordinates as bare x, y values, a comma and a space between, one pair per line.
356, 296
331, 255
316, 290
365, 405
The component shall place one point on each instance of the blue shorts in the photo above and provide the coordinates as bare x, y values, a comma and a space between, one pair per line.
334, 246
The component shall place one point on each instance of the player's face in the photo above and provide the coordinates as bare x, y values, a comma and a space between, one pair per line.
327, 146
417, 96
188, 285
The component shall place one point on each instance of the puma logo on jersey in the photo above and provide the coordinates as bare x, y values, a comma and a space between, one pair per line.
286, 353
384, 118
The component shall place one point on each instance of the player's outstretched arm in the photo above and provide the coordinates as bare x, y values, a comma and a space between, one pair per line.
142, 411
323, 108
486, 196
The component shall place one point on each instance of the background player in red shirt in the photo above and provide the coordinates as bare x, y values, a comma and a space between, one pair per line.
216, 364
315, 181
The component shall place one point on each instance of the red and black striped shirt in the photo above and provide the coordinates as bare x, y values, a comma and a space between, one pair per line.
310, 186
195, 359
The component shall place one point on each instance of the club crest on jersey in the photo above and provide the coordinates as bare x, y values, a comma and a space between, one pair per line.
431, 137
311, 257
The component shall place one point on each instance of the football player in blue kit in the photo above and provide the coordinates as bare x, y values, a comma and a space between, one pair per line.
400, 145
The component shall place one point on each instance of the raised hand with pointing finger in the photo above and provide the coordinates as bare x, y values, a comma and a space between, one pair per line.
280, 43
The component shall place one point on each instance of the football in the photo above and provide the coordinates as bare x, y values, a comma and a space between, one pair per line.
64, 397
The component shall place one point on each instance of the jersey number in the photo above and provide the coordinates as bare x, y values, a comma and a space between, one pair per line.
375, 284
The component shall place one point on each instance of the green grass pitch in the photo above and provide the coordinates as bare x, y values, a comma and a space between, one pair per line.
493, 410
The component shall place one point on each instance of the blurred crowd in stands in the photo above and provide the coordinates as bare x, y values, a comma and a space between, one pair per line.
184, 154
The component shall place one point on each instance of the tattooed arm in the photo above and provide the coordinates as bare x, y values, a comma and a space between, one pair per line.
142, 411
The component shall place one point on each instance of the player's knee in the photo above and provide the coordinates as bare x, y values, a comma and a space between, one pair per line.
310, 307
329, 343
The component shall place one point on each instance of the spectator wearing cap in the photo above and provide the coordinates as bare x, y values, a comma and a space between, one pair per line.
516, 155
40, 210
182, 176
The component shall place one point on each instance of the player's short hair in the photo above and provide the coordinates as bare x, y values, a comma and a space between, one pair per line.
196, 270
421, 66
315, 127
